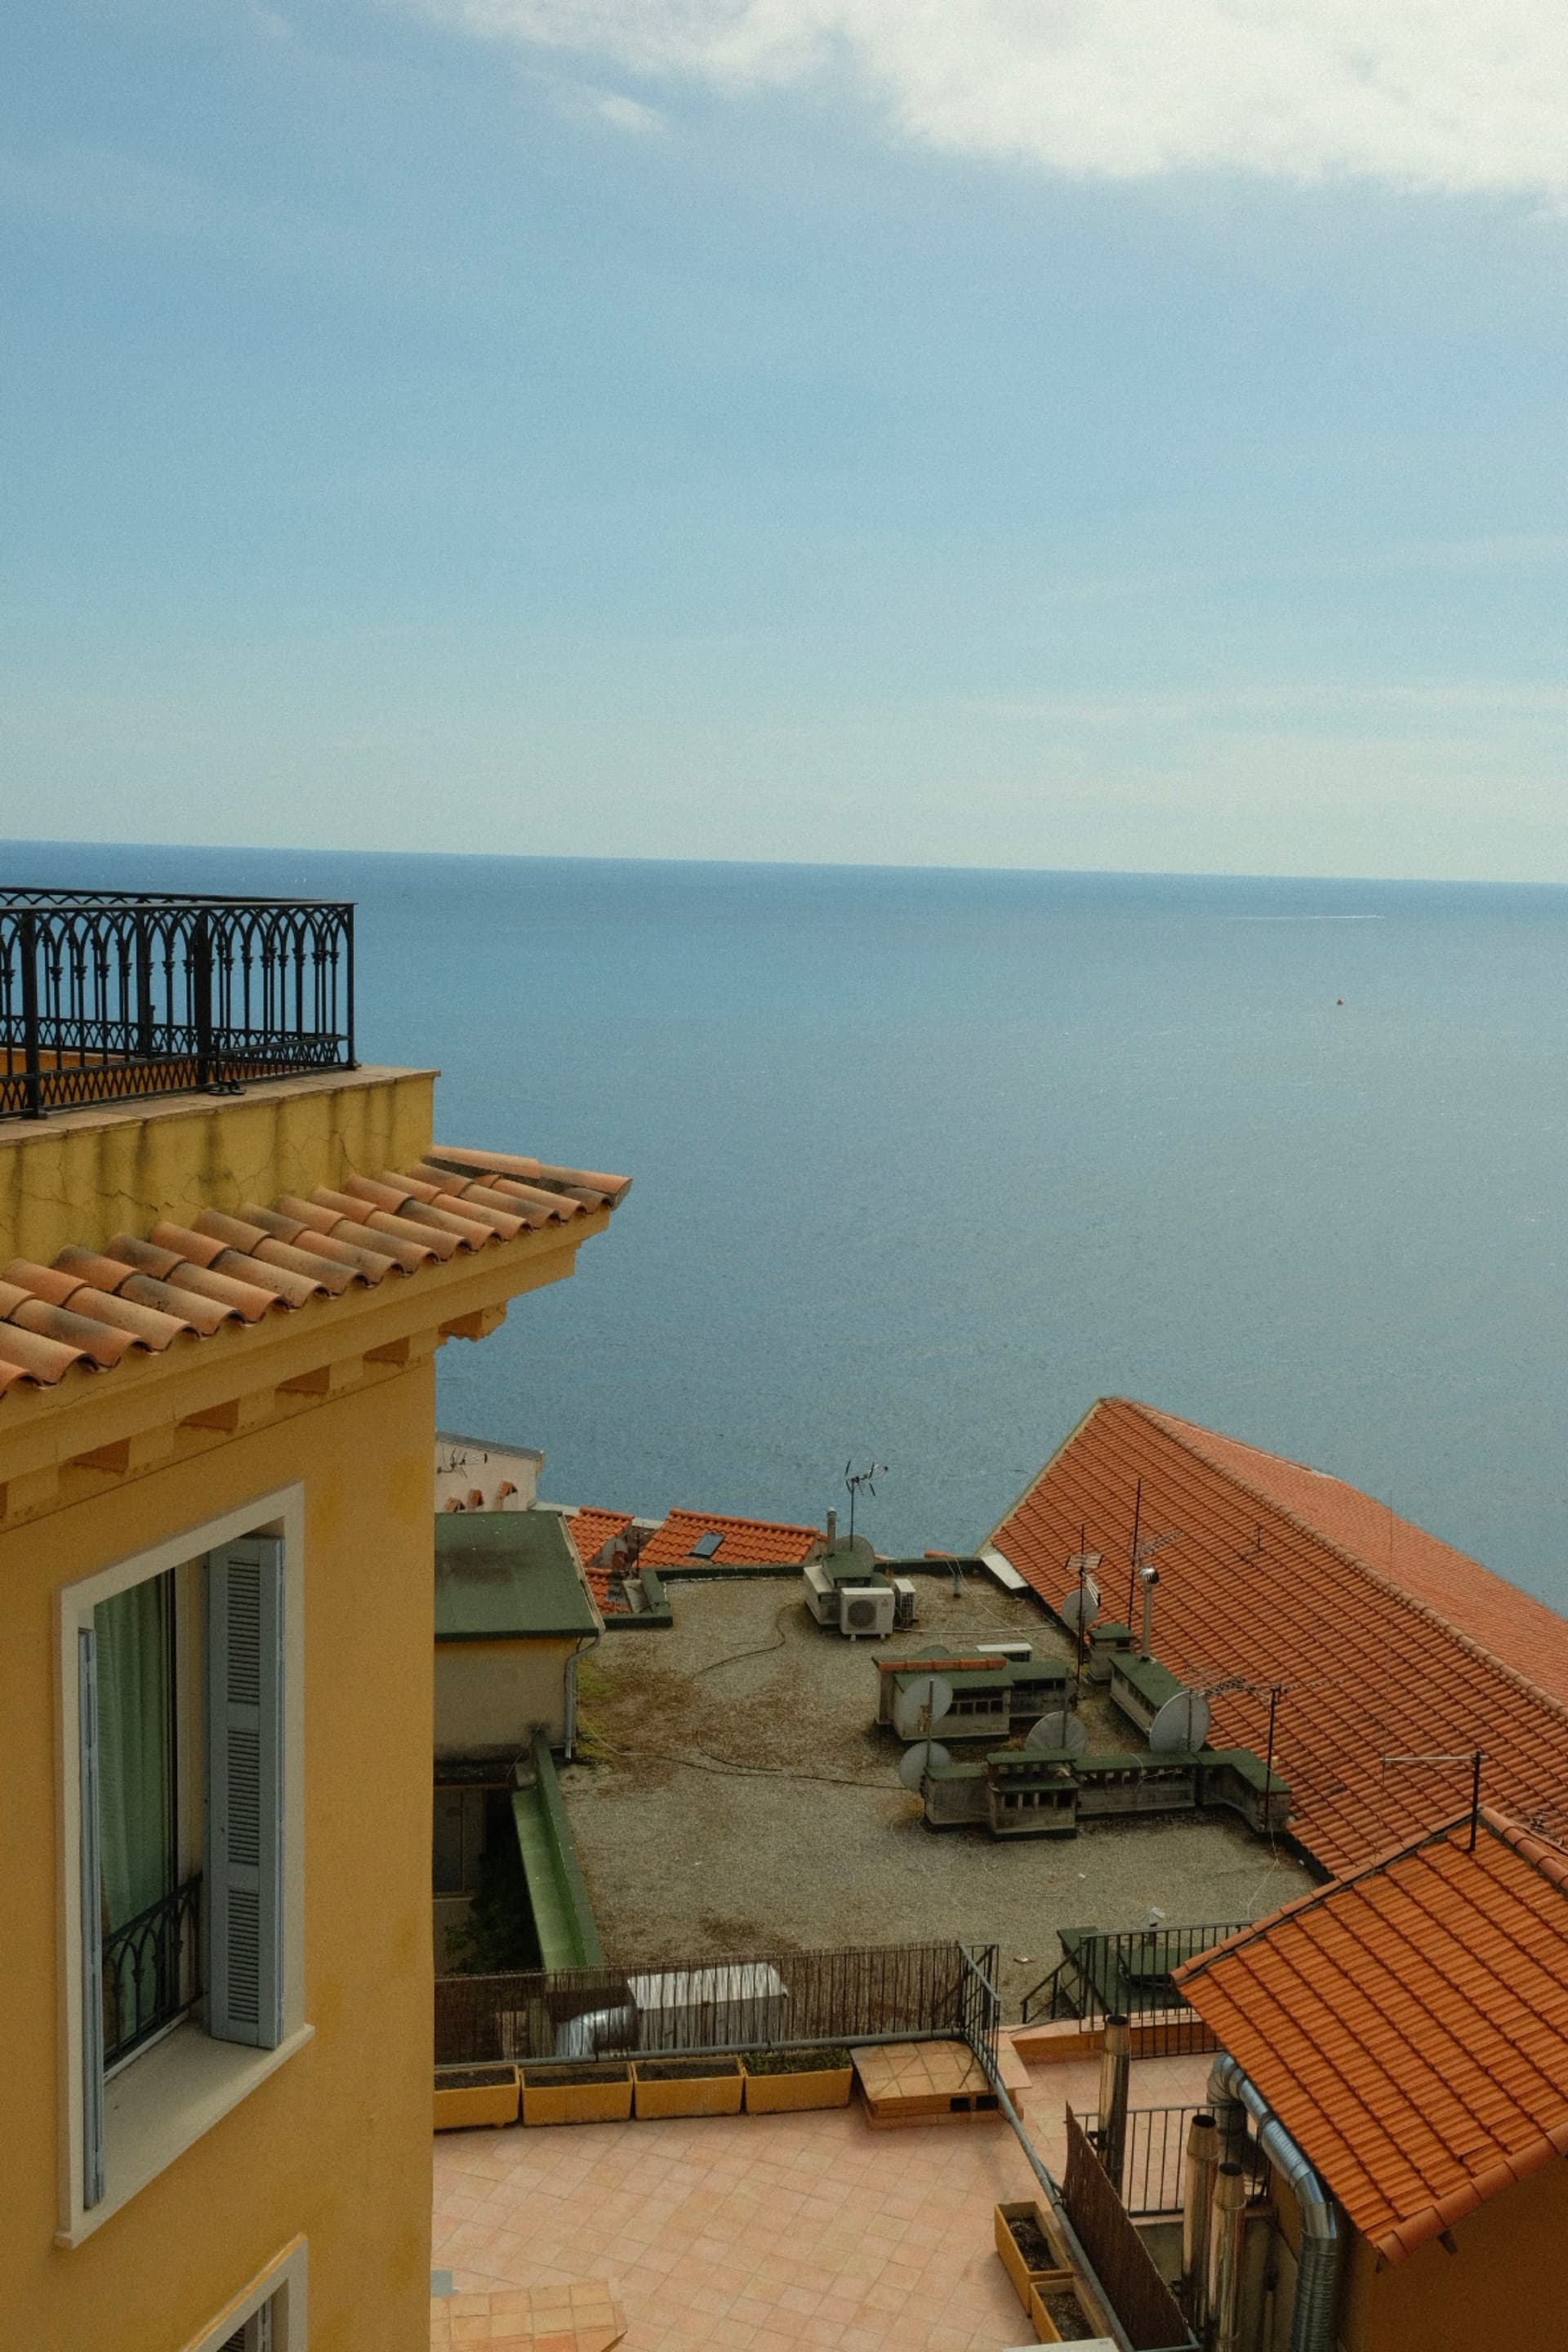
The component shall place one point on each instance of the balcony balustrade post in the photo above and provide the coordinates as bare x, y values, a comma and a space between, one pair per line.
202, 996
32, 1067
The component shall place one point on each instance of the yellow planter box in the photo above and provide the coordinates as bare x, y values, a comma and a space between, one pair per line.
550, 2097
1013, 2263
1040, 2320
657, 2094
790, 2093
471, 2097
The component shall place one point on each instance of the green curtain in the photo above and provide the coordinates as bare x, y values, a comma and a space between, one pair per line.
136, 1748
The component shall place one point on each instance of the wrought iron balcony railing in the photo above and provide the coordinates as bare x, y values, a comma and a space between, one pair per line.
108, 995
152, 1970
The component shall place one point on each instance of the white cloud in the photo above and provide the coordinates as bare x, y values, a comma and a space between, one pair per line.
628, 113
1443, 94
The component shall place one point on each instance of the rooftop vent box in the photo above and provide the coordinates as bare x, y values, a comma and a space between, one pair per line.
866, 1611
741, 2006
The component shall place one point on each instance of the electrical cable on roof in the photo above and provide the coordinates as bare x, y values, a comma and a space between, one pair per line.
751, 1772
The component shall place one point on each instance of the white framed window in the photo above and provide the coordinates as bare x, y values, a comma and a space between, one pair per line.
182, 1868
269, 2316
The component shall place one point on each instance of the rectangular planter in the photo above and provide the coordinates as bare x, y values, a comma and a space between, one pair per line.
802, 2086
1021, 2272
660, 2089
467, 2098
576, 2094
1040, 2320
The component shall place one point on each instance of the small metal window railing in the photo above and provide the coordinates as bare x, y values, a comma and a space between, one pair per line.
152, 1970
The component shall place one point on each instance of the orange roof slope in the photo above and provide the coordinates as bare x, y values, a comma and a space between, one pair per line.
746, 1543
1409, 2026
181, 1283
1514, 1627
590, 1530
1250, 1588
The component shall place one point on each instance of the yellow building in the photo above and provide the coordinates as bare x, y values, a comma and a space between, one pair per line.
218, 1323
1395, 2046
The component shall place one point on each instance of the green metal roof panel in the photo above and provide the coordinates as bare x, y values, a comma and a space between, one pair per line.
505, 1575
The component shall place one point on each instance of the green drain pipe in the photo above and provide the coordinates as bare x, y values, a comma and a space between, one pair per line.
557, 1892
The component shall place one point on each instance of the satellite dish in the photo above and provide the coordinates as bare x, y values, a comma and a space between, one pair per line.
925, 1756
921, 1705
1182, 1722
1061, 1729
1088, 1595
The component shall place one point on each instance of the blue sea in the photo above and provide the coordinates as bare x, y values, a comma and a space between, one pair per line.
926, 1160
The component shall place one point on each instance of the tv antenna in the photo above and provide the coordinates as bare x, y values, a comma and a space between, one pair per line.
921, 1705
925, 1756
854, 1480
1475, 1759
1140, 1571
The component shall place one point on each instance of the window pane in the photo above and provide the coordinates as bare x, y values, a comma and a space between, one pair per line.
135, 1784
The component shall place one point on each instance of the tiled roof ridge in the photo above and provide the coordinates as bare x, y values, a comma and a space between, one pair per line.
1171, 1424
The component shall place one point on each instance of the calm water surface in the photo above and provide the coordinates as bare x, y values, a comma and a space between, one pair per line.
926, 1161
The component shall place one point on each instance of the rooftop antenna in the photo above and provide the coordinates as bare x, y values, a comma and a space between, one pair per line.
1081, 1607
854, 1480
1142, 1554
1475, 1760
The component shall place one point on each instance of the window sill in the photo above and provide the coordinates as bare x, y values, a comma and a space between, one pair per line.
163, 2104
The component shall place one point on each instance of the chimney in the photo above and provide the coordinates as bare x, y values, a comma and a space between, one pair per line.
1197, 2202
1226, 2220
1115, 2079
832, 1530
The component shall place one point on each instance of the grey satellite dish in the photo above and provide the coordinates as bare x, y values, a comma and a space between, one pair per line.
1060, 1729
1086, 1596
921, 1705
925, 1756
1182, 1722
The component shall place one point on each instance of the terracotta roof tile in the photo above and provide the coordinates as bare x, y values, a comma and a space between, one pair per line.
92, 1307
591, 1530
745, 1543
1405, 2023
1253, 1587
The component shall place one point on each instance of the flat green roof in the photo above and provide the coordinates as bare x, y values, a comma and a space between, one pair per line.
502, 1575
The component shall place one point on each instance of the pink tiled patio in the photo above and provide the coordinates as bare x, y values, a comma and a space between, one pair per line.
768, 2234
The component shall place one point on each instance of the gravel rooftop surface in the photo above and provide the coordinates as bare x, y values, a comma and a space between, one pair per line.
740, 1799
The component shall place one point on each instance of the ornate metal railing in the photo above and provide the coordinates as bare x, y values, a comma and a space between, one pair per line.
152, 1970
108, 995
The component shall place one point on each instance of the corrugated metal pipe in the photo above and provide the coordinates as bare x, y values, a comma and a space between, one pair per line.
1322, 2240
1197, 2198
1222, 2287
1115, 2083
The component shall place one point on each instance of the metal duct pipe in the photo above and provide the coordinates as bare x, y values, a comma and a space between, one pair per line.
1148, 1578
1323, 2241
1223, 2286
1197, 2200
1115, 2083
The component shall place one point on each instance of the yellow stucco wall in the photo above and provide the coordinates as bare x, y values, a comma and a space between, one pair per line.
1501, 2291
81, 1176
336, 2144
493, 1696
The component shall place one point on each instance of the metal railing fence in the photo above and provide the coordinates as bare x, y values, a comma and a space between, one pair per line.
884, 1991
1122, 2263
1153, 2160
109, 996
1129, 1974
152, 1970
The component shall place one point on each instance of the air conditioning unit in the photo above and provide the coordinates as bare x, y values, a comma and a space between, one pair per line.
821, 1594
867, 1610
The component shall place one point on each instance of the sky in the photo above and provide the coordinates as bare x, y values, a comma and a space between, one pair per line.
1104, 433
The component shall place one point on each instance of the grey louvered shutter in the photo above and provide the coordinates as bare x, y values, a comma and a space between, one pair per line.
91, 1923
243, 1883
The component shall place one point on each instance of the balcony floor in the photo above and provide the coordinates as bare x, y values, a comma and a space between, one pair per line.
768, 2234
